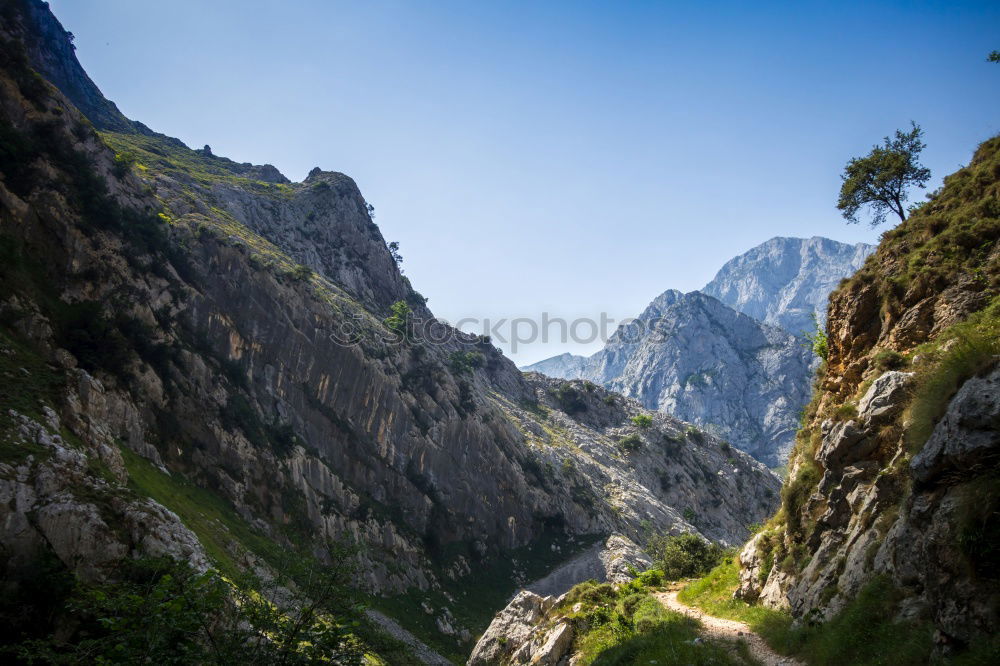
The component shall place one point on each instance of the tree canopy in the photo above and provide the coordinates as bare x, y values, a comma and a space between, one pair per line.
881, 178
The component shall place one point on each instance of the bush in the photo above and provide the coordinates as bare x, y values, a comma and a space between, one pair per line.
683, 555
569, 399
629, 444
398, 320
159, 611
642, 420
463, 363
889, 360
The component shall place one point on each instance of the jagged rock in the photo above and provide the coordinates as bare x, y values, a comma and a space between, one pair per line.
510, 630
884, 399
557, 643
967, 438
751, 574
744, 377
846, 441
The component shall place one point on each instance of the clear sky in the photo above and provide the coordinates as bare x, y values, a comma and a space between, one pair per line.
563, 157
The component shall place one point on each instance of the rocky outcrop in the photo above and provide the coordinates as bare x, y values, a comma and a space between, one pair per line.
785, 282
894, 476
511, 631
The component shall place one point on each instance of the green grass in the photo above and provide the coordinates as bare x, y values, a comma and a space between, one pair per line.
222, 532
863, 633
626, 624
975, 346
183, 163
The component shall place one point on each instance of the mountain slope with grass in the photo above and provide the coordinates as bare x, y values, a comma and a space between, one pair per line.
207, 364
892, 505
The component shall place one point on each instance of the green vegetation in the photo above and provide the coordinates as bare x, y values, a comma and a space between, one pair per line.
174, 159
817, 339
27, 383
464, 363
956, 355
398, 320
880, 179
225, 536
864, 633
629, 443
569, 399
683, 555
642, 421
474, 600
159, 611
626, 624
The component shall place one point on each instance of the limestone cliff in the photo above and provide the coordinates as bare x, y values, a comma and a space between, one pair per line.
786, 281
895, 473
180, 331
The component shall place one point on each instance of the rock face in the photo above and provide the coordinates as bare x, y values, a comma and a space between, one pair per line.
216, 323
692, 356
895, 474
745, 377
785, 281
612, 560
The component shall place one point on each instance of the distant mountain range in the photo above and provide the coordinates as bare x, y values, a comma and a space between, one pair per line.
732, 357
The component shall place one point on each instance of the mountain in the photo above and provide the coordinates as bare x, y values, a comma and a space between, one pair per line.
706, 363
786, 281
744, 377
206, 362
893, 487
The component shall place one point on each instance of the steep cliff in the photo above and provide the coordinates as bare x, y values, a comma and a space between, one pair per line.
786, 281
199, 361
895, 475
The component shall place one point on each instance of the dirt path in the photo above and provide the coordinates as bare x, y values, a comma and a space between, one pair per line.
727, 630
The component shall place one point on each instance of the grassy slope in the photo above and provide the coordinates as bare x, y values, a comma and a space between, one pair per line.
948, 239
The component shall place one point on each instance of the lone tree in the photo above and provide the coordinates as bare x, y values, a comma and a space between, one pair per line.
880, 178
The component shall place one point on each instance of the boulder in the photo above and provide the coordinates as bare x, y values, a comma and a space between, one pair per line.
885, 397
510, 630
967, 437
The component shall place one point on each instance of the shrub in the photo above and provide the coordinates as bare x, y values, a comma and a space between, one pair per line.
889, 360
463, 363
398, 320
569, 399
976, 347
642, 420
301, 273
683, 555
629, 443
818, 340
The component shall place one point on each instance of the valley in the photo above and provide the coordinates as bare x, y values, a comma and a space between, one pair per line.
233, 431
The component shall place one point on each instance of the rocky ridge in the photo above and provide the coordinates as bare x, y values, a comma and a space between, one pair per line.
894, 475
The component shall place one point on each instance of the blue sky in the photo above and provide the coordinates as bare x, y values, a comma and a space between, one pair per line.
564, 157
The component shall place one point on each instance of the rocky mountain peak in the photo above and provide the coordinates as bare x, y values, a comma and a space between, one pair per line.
786, 281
